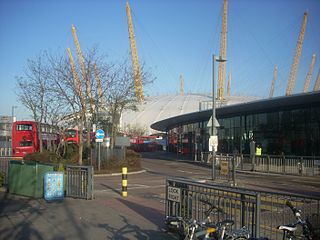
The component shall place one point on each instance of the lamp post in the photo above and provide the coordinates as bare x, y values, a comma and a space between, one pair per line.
214, 135
13, 107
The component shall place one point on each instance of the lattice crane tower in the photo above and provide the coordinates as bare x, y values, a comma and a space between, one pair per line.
309, 75
294, 67
229, 86
135, 59
317, 83
223, 52
275, 74
77, 82
85, 76
98, 81
181, 85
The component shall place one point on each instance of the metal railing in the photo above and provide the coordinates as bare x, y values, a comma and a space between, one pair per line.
79, 181
261, 212
280, 164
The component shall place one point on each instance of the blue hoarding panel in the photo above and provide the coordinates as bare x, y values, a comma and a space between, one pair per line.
53, 186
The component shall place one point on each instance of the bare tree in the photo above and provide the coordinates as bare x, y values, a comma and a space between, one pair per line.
32, 90
52, 93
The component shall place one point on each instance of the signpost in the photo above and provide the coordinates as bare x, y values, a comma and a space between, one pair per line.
174, 194
99, 135
99, 140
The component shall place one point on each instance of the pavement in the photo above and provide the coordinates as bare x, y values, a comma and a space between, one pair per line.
100, 218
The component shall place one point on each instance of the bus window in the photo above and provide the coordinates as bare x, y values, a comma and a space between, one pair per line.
24, 127
25, 144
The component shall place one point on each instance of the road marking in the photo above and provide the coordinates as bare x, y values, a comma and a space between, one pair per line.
184, 171
131, 186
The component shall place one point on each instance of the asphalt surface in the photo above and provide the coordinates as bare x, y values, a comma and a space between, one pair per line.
108, 215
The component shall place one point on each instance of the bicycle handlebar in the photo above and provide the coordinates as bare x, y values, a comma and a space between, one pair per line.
295, 211
212, 207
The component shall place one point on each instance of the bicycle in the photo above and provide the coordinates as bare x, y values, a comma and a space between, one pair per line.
289, 229
188, 229
223, 231
193, 229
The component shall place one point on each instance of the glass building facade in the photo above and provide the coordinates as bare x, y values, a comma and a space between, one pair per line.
287, 125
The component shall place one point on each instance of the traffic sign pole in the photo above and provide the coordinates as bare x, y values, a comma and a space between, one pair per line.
99, 156
99, 140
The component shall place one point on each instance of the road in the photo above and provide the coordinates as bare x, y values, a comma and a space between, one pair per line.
146, 191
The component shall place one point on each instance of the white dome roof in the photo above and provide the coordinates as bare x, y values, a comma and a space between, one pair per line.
156, 108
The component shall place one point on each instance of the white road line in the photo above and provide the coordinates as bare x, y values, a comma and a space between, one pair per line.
184, 171
133, 186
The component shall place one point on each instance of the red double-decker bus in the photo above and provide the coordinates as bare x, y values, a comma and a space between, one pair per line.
25, 138
72, 136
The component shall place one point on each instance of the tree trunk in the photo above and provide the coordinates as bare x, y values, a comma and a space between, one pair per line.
40, 136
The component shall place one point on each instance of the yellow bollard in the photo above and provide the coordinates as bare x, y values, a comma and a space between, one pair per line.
124, 181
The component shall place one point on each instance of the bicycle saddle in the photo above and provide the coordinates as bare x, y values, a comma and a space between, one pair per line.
289, 227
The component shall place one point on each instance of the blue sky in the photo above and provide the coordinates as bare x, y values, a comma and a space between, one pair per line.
173, 37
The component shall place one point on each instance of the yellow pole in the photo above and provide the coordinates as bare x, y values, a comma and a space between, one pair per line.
124, 181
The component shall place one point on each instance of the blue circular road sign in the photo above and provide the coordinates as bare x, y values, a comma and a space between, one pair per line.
99, 134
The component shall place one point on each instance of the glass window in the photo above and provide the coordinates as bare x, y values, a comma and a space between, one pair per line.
24, 127
25, 143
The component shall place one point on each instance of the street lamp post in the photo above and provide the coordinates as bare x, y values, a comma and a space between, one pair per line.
13, 107
214, 135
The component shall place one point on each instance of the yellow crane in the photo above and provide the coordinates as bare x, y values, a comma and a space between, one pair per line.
223, 52
77, 81
309, 75
275, 74
135, 60
98, 81
85, 76
229, 85
181, 85
294, 67
317, 83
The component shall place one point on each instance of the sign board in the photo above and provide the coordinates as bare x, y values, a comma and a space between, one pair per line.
53, 186
213, 142
99, 134
122, 141
216, 123
99, 140
174, 194
224, 168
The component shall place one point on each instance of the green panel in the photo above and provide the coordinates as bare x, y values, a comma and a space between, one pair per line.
27, 179
40, 172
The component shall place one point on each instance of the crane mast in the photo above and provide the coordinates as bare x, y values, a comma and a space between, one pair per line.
98, 81
229, 85
275, 74
317, 83
294, 67
309, 75
181, 85
76, 79
135, 59
223, 52
82, 67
